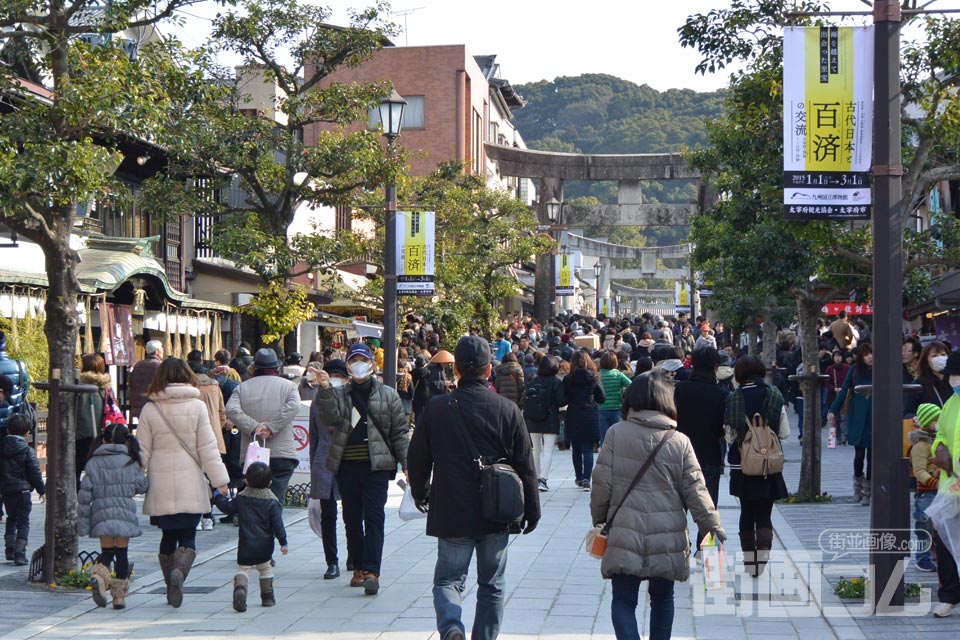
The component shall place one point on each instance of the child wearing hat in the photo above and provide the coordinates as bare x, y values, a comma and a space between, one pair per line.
926, 474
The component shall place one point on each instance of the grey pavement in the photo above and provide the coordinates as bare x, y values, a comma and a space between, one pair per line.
554, 590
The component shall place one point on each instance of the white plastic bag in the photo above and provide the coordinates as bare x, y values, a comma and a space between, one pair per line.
313, 514
944, 512
711, 555
256, 452
408, 507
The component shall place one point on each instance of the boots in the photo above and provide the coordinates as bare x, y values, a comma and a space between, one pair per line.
20, 552
182, 561
764, 545
866, 491
99, 583
857, 488
166, 566
267, 599
10, 542
118, 593
240, 583
748, 543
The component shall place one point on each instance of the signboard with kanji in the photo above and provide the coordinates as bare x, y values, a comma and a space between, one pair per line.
828, 122
564, 283
415, 252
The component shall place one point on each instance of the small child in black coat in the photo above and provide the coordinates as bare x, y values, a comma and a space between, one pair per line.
19, 474
260, 517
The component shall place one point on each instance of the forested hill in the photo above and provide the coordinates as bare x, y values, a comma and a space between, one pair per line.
598, 113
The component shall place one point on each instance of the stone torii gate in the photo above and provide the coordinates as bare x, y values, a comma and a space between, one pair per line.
551, 169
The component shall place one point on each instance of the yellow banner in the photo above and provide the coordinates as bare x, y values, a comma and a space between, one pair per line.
414, 246
565, 279
831, 109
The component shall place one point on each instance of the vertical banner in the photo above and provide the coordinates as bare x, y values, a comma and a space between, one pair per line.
681, 297
415, 252
827, 122
116, 323
605, 306
564, 283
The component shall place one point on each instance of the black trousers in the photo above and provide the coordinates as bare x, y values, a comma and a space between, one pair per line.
328, 529
18, 507
946, 572
755, 514
364, 495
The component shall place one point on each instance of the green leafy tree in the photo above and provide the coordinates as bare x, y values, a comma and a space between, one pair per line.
287, 45
744, 246
59, 145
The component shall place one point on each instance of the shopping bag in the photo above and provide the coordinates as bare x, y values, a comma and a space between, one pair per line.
313, 515
596, 541
944, 513
711, 555
256, 452
408, 506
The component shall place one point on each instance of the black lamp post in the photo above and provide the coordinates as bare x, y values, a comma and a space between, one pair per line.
391, 117
597, 267
553, 214
618, 304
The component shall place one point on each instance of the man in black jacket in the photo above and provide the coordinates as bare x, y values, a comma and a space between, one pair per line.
700, 404
439, 445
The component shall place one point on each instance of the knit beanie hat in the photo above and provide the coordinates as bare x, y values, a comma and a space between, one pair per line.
927, 414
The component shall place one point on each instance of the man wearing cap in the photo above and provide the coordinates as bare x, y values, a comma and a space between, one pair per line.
263, 407
371, 438
497, 427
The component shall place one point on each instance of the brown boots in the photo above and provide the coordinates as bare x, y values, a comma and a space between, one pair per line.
101, 581
175, 569
756, 548
240, 584
118, 593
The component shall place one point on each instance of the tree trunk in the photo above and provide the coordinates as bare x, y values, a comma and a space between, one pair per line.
753, 332
769, 353
808, 308
61, 327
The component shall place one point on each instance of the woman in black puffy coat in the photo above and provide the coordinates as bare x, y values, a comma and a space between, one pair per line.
584, 393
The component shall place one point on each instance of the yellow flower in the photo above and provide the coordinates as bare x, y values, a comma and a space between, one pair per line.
855, 581
88, 588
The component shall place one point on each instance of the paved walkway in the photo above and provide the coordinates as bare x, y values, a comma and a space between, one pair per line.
554, 590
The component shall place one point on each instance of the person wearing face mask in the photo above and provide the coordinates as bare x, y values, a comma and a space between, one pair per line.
860, 420
946, 449
935, 388
370, 439
308, 383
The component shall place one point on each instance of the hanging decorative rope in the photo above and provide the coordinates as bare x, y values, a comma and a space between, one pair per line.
187, 337
217, 334
31, 312
205, 332
88, 346
14, 329
139, 304
167, 343
104, 338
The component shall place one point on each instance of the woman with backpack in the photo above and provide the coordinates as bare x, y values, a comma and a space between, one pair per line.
757, 493
541, 411
859, 420
584, 394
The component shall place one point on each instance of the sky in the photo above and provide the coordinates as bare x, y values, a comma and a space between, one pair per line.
536, 40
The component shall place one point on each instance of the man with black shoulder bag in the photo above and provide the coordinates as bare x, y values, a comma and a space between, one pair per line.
475, 444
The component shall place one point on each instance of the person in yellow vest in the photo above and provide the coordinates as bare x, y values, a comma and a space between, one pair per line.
946, 451
926, 473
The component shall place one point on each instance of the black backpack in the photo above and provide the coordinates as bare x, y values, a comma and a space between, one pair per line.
536, 401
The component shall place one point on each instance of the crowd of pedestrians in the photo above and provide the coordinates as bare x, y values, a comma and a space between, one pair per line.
667, 407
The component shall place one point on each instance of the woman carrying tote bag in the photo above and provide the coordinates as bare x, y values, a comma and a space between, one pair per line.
649, 538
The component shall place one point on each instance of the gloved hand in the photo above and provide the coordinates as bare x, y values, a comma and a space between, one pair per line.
720, 534
423, 506
528, 525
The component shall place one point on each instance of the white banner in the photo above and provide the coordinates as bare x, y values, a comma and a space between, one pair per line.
415, 252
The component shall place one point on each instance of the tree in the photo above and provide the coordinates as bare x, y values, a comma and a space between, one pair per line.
62, 147
480, 232
288, 45
813, 260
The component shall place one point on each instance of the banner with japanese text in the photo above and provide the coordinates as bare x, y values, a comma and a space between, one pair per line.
681, 297
827, 122
116, 323
415, 253
852, 308
564, 283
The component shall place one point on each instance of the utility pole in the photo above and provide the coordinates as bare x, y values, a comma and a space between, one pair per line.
890, 506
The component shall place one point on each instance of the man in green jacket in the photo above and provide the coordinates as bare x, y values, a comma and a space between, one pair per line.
371, 438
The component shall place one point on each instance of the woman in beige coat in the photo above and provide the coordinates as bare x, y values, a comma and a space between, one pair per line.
648, 539
178, 447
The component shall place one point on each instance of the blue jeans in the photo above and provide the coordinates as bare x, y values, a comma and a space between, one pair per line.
282, 470
921, 521
582, 458
450, 577
623, 611
608, 418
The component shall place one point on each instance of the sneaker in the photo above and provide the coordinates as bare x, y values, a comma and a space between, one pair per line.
206, 524
943, 609
926, 564
579, 483
542, 483
585, 485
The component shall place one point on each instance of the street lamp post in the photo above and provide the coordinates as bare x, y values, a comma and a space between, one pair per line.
596, 272
617, 310
391, 117
553, 215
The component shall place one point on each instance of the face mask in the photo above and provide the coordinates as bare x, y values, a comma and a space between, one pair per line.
937, 363
337, 382
311, 376
360, 370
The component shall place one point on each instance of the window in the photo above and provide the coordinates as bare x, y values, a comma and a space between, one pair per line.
414, 115
477, 159
344, 220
